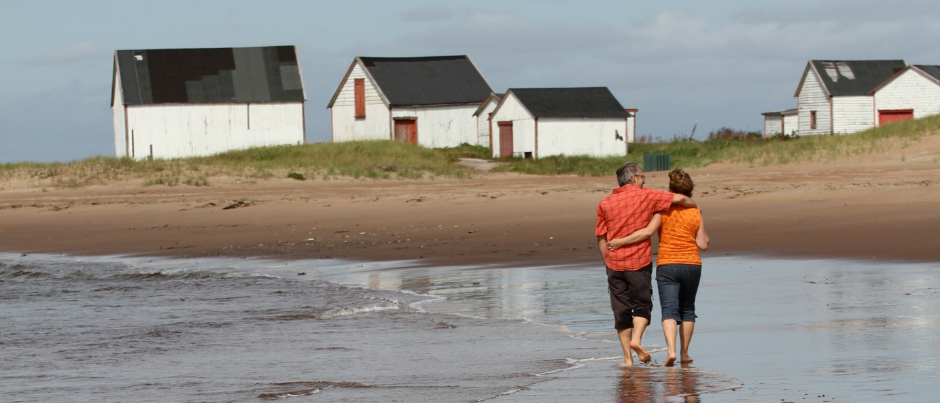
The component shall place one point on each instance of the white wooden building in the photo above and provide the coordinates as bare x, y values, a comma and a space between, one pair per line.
631, 125
428, 101
781, 122
541, 122
173, 103
913, 93
834, 96
482, 115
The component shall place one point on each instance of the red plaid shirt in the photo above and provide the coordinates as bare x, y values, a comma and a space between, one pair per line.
627, 209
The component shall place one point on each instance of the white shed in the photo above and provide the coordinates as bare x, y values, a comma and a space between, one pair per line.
541, 122
631, 125
427, 101
911, 94
781, 122
834, 95
482, 116
173, 103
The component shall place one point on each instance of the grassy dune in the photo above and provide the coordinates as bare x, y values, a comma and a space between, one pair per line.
390, 160
770, 151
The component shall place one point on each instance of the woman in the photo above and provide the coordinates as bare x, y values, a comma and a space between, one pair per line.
678, 264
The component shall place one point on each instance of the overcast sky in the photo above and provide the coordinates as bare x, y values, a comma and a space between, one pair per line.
678, 62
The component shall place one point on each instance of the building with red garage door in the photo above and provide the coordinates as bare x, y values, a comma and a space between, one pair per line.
912, 93
834, 96
428, 101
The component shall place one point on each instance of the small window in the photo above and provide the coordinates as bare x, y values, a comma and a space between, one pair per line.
360, 97
812, 120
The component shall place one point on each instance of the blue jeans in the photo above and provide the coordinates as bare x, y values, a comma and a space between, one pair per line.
678, 284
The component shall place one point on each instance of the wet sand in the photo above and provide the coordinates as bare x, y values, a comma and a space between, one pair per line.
879, 210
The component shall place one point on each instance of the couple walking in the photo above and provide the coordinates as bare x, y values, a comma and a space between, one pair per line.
626, 219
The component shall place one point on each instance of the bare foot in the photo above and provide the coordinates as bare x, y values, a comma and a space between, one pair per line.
670, 360
640, 352
626, 363
685, 359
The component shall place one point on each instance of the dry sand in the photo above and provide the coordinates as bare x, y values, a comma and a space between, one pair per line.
860, 207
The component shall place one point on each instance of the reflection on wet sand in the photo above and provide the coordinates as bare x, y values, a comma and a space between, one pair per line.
646, 384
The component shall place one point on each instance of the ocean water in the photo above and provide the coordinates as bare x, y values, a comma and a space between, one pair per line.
118, 329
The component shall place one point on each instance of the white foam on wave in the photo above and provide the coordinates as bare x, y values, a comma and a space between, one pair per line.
344, 311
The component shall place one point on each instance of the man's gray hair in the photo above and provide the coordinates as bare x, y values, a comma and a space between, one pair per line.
626, 172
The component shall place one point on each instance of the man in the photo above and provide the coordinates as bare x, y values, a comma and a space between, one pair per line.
630, 268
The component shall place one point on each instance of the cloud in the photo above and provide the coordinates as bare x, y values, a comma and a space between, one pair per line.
676, 67
426, 14
76, 52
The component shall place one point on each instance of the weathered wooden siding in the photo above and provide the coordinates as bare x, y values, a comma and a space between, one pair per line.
523, 126
483, 128
852, 114
443, 125
375, 126
120, 135
791, 124
346, 127
188, 130
910, 90
772, 125
812, 97
581, 136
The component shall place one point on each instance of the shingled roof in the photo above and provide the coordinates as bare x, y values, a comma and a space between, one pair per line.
853, 77
586, 102
427, 80
240, 75
933, 71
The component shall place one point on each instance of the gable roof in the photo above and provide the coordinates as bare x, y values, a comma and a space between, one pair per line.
219, 75
493, 96
584, 102
932, 73
427, 80
851, 77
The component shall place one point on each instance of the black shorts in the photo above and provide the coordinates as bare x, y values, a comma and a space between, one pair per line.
631, 295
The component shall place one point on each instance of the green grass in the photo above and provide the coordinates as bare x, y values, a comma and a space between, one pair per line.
359, 159
749, 150
391, 160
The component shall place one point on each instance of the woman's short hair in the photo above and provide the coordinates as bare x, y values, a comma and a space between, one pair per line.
680, 182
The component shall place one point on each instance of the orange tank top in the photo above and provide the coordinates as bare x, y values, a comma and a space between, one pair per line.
677, 236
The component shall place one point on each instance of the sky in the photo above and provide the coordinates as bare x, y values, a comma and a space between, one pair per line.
719, 64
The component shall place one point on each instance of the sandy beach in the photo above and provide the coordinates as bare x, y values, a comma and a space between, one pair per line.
367, 290
871, 207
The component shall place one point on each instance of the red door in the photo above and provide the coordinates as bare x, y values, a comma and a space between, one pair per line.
505, 139
885, 117
406, 131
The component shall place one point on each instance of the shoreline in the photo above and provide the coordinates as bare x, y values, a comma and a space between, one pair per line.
885, 210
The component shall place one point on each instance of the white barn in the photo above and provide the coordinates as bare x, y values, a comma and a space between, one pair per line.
911, 94
834, 96
482, 116
781, 122
428, 101
541, 122
173, 103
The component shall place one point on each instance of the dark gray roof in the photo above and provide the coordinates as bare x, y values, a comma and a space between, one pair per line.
427, 80
160, 76
855, 77
589, 102
933, 71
